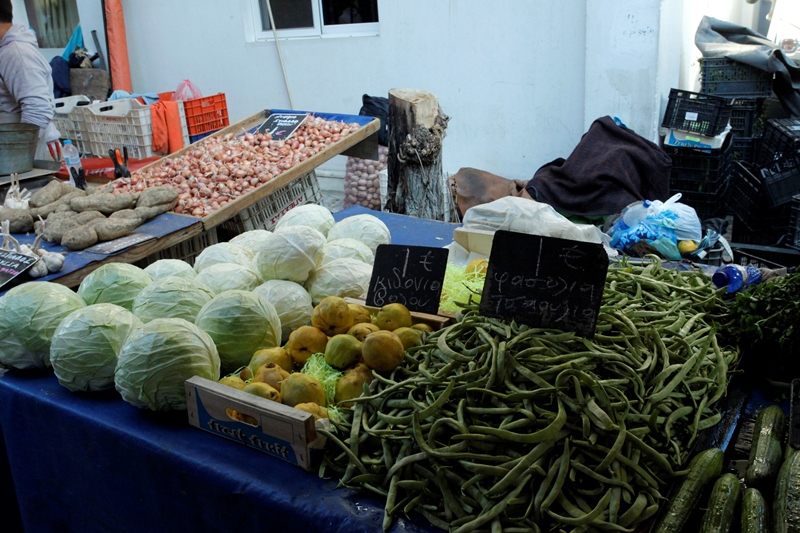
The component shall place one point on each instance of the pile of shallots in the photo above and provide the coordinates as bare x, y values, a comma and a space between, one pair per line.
217, 170
362, 183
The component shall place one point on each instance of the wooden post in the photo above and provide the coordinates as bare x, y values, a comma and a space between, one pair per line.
416, 128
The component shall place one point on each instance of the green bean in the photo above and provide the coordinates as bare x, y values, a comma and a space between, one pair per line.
494, 511
523, 465
586, 519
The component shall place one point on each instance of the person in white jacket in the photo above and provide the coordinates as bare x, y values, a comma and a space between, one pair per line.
26, 81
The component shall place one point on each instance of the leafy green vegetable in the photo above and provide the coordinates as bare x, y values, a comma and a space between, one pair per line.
767, 312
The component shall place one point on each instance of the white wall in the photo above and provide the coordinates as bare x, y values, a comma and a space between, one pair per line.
521, 80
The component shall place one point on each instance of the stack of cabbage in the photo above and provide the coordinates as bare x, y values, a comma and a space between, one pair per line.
145, 331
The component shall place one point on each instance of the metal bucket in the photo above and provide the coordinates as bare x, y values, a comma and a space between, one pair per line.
17, 147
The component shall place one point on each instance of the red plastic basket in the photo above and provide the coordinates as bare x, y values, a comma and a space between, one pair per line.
205, 114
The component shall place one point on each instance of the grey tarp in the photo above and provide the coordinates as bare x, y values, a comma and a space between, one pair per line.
718, 38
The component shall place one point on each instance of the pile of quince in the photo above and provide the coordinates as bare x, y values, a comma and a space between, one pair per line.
353, 341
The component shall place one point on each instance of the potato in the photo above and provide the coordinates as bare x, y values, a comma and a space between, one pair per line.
146, 213
63, 208
79, 238
20, 220
113, 228
52, 207
59, 224
154, 196
126, 213
106, 203
48, 194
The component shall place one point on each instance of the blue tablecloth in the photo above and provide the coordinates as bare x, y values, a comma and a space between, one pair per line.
92, 463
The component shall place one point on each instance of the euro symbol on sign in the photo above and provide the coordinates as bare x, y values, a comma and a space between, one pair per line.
570, 254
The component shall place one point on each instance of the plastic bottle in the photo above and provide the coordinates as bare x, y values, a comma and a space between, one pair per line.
636, 213
72, 158
735, 277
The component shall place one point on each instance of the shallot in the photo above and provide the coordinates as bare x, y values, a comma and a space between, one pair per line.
222, 168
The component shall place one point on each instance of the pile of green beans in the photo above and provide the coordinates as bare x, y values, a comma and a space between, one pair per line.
496, 426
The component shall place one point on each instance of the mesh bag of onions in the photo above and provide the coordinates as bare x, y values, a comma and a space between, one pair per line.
362, 184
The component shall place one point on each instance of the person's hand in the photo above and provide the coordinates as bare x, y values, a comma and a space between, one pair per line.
55, 149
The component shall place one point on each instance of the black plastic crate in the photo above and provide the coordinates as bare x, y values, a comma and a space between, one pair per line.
746, 197
793, 235
743, 149
709, 204
781, 137
699, 170
747, 117
781, 179
723, 76
697, 113
765, 256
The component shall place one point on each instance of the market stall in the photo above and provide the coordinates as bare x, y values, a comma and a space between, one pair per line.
271, 188
99, 464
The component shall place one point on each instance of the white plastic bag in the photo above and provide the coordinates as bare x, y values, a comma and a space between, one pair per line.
523, 215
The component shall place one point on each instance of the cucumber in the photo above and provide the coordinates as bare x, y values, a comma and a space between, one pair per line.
705, 467
767, 447
786, 503
722, 505
755, 514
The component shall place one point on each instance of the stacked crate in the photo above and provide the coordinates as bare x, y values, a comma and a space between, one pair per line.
701, 175
747, 87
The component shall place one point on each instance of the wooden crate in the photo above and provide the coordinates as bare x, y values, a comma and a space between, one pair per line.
362, 143
270, 427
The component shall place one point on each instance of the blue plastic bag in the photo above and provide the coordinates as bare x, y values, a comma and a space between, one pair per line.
655, 220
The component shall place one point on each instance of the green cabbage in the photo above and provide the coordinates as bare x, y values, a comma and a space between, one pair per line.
240, 323
86, 344
312, 215
346, 247
251, 240
223, 252
173, 297
341, 277
30, 315
291, 301
156, 360
228, 276
368, 229
292, 253
165, 268
114, 283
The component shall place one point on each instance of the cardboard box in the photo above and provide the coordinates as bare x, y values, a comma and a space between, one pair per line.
694, 140
267, 426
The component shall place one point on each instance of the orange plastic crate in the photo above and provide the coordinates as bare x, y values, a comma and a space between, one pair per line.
206, 114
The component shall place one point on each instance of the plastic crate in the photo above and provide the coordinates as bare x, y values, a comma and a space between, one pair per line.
699, 170
761, 256
743, 149
266, 213
709, 204
187, 250
194, 138
746, 199
723, 76
124, 123
781, 137
793, 235
70, 120
697, 113
206, 114
781, 179
745, 115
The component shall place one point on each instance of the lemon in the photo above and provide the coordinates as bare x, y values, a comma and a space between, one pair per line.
686, 246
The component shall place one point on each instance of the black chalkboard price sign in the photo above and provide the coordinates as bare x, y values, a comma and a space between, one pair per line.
410, 275
13, 265
545, 281
281, 126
